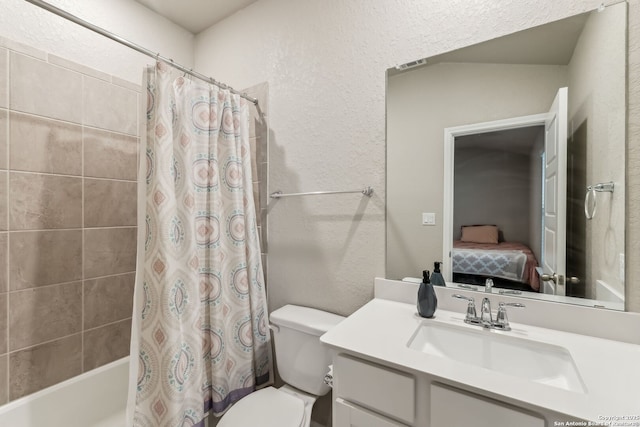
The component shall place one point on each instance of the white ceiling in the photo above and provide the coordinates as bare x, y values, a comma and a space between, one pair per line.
549, 44
195, 15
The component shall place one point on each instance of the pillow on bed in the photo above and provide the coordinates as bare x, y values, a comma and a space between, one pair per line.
479, 234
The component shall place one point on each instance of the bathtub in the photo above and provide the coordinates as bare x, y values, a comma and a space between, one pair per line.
97, 398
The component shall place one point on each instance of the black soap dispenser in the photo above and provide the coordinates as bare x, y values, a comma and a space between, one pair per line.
436, 277
427, 300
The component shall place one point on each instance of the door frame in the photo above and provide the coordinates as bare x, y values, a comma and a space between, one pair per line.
450, 135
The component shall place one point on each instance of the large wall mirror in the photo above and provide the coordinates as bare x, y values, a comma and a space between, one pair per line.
517, 147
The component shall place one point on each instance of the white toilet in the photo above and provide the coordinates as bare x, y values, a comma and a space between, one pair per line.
302, 363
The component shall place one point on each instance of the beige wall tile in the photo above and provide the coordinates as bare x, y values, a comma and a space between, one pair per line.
39, 202
254, 164
4, 380
109, 251
44, 89
44, 257
108, 300
256, 199
44, 314
4, 208
3, 323
38, 367
74, 66
136, 87
108, 106
4, 63
42, 145
106, 344
23, 48
109, 203
110, 155
4, 271
258, 115
4, 124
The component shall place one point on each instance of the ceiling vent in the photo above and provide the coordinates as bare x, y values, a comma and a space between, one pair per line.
411, 64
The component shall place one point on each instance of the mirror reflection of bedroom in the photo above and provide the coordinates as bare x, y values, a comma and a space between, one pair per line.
497, 219
498, 209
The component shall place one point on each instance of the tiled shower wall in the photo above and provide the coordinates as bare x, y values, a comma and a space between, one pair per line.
68, 160
68, 164
259, 140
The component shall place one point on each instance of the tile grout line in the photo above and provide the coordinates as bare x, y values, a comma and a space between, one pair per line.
43, 230
68, 122
29, 347
79, 280
69, 64
7, 248
82, 244
97, 178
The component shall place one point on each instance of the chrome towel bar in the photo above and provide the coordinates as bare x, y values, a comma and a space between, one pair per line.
367, 191
590, 201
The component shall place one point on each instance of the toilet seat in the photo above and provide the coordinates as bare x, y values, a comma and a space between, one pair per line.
268, 407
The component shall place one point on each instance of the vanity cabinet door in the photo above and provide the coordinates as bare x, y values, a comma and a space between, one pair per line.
457, 408
349, 415
377, 388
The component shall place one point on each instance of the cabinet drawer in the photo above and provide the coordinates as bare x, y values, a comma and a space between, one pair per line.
349, 415
378, 388
458, 408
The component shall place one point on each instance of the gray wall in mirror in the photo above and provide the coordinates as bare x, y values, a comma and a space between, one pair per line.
446, 93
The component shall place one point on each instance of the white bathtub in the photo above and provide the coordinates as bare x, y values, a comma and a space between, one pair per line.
97, 398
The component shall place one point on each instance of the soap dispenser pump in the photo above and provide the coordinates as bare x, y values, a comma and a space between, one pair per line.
436, 278
427, 300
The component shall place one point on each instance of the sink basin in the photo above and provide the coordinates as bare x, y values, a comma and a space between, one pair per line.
531, 360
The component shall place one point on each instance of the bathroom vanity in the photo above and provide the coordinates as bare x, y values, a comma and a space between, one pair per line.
394, 368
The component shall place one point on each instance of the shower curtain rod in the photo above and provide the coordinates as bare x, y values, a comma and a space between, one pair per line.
68, 16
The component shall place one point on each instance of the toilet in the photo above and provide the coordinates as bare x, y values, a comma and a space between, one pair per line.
302, 364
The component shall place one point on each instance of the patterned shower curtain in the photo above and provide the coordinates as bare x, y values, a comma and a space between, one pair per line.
200, 339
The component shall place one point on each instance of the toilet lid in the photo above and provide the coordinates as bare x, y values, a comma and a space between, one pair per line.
268, 407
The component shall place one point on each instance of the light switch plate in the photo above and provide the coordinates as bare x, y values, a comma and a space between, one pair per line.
428, 218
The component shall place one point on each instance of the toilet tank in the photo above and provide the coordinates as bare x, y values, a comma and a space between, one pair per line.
302, 360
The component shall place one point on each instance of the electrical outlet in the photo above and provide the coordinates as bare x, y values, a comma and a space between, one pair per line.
428, 218
621, 272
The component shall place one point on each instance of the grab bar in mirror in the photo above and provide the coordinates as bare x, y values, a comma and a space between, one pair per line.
590, 200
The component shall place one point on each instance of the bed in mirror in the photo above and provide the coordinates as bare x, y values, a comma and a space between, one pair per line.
517, 145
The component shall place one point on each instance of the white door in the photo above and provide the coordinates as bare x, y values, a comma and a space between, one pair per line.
555, 197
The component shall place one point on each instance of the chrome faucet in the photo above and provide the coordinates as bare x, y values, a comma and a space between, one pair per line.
488, 285
486, 317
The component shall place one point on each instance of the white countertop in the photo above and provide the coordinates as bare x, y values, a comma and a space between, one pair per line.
610, 370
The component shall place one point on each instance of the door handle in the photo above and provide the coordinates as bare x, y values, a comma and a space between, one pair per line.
558, 279
573, 280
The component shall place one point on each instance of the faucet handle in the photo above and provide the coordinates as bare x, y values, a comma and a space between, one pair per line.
471, 317
470, 299
509, 292
511, 304
502, 322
